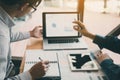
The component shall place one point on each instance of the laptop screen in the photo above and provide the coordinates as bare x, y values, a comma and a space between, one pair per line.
59, 24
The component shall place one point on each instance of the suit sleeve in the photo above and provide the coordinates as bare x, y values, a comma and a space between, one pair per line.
17, 36
111, 70
108, 42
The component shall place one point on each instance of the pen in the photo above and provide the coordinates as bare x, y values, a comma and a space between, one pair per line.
53, 62
98, 77
49, 61
90, 78
104, 78
40, 59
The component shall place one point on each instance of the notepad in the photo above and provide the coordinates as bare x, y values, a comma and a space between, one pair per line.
81, 62
32, 57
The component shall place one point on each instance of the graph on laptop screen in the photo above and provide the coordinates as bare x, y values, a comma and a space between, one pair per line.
59, 24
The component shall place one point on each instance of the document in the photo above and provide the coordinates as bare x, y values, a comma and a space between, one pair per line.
81, 62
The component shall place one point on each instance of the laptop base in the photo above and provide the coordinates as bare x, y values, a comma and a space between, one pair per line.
65, 46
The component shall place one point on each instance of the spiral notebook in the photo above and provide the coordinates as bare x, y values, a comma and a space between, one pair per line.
32, 57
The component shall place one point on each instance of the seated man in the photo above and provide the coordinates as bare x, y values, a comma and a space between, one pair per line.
110, 42
8, 10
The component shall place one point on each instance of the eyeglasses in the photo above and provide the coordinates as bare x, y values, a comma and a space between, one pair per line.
33, 9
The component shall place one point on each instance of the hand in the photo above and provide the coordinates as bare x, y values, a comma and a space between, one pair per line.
80, 27
39, 69
36, 32
101, 57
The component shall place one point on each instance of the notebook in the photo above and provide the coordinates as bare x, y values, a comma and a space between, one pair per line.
32, 57
58, 32
82, 62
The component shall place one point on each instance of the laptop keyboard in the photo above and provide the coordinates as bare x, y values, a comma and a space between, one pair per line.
63, 41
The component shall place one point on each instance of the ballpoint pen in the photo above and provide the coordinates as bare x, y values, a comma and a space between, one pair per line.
40, 59
49, 61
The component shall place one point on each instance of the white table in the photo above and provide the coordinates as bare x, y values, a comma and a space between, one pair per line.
65, 71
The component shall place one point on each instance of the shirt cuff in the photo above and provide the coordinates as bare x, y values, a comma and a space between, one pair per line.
106, 63
25, 76
27, 35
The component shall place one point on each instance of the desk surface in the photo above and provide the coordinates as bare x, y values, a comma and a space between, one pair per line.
64, 64
66, 73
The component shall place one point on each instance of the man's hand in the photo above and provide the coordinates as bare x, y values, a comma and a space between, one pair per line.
80, 27
100, 57
36, 32
39, 69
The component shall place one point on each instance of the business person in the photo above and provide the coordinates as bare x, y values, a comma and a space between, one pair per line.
110, 42
8, 10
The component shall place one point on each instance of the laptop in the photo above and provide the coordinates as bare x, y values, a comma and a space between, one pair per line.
82, 62
58, 32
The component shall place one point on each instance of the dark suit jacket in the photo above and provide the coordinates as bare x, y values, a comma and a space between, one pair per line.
112, 43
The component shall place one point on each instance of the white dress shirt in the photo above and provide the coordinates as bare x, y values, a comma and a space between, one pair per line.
6, 37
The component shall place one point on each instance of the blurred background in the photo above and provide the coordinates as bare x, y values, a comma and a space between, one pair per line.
111, 6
